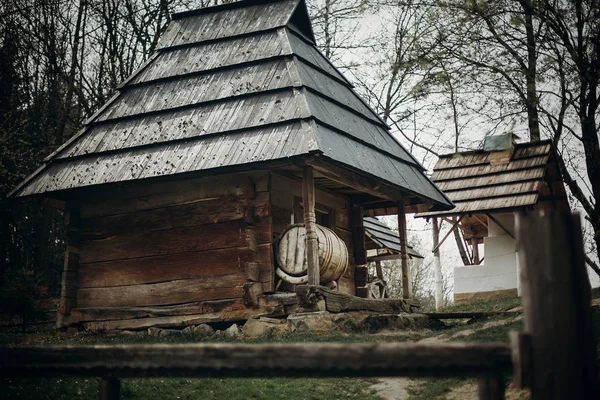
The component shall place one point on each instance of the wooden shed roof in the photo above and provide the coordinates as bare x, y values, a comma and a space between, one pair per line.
384, 237
477, 183
232, 85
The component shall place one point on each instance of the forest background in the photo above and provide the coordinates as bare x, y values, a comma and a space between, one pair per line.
443, 74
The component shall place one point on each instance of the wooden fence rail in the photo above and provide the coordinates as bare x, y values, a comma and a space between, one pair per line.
555, 356
237, 360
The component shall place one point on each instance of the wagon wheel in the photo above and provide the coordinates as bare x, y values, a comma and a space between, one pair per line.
377, 288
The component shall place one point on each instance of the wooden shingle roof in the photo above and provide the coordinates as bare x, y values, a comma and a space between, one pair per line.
231, 86
383, 236
476, 183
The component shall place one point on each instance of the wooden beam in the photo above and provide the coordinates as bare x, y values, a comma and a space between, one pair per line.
358, 236
475, 245
357, 181
387, 257
68, 294
316, 360
490, 216
556, 306
452, 228
336, 301
406, 277
310, 222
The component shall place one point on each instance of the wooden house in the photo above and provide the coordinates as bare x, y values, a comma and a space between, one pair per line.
178, 189
488, 187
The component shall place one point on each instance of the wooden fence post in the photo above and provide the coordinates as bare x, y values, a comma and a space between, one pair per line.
110, 389
556, 307
491, 387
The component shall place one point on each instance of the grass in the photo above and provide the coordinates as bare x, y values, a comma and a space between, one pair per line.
485, 306
185, 388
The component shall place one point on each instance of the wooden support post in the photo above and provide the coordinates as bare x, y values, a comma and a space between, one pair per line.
491, 387
358, 236
68, 295
437, 266
110, 389
556, 307
310, 222
406, 281
475, 245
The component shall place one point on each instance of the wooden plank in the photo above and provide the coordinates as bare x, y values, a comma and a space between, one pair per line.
252, 271
194, 308
317, 360
556, 297
173, 292
146, 196
68, 299
312, 243
174, 266
200, 212
339, 302
358, 236
176, 240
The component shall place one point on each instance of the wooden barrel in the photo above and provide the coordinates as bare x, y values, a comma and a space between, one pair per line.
291, 253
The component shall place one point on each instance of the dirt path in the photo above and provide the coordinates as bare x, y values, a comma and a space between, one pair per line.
393, 388
397, 388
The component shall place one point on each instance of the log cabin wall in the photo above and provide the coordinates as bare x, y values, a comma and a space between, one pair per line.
333, 211
174, 243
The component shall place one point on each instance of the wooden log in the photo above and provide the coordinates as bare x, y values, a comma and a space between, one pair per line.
240, 360
556, 298
312, 244
147, 196
338, 302
252, 271
358, 236
198, 307
169, 267
202, 212
164, 293
176, 240
110, 389
406, 276
252, 293
231, 310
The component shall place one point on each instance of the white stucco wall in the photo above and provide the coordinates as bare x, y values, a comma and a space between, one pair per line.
500, 268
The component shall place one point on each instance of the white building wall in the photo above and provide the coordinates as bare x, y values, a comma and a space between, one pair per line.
500, 269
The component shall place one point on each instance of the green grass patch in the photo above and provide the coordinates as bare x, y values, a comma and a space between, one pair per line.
186, 388
485, 306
